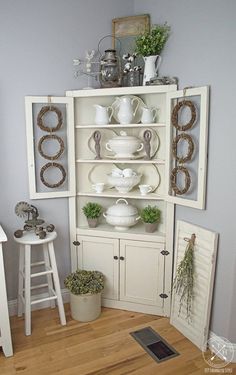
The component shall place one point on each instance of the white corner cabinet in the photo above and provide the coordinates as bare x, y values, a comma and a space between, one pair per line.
137, 265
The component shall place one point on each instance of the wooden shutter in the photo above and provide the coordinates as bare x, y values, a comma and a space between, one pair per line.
204, 262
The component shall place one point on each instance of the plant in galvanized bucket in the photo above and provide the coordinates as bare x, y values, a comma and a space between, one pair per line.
85, 294
151, 216
92, 211
184, 278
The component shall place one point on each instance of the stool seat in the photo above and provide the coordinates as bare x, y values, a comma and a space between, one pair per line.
30, 238
26, 273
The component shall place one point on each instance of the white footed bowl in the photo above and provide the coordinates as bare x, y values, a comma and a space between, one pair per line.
124, 184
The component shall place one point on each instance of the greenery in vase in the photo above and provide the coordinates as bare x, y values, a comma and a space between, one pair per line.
153, 42
150, 214
92, 210
184, 279
83, 282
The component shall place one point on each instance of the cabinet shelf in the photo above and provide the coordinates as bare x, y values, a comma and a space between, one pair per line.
114, 126
136, 232
122, 161
115, 194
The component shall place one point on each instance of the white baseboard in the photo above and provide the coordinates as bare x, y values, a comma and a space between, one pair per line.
219, 339
12, 305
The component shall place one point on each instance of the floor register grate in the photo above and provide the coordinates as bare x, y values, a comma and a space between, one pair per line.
154, 344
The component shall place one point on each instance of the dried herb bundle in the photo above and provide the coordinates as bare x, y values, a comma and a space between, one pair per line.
184, 279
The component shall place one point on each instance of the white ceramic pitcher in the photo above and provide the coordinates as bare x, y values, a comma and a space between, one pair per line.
102, 115
127, 109
152, 64
148, 115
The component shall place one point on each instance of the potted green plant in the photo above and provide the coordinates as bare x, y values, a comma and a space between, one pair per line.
85, 294
149, 46
92, 211
150, 216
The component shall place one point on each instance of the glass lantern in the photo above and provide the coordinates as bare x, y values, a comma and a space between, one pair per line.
110, 69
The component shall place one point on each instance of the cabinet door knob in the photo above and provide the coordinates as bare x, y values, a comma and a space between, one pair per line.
76, 243
115, 257
122, 258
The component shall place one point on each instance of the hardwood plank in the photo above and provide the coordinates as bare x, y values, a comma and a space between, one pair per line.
101, 347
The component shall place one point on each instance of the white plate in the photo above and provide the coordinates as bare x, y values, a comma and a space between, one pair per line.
98, 173
150, 175
106, 135
137, 118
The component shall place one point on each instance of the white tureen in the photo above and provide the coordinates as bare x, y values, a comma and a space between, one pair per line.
122, 215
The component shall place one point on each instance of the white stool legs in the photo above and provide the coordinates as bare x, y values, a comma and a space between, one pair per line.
21, 281
27, 290
57, 283
25, 300
49, 275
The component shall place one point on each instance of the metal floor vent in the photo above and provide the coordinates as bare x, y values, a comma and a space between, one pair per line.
154, 344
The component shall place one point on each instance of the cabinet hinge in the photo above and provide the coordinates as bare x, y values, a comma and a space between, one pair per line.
165, 252
76, 243
163, 295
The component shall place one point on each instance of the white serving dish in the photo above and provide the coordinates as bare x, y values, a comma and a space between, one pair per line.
121, 215
123, 184
124, 146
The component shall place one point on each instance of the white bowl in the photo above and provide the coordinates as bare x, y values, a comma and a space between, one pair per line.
124, 184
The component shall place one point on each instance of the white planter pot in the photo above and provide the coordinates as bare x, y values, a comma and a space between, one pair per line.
85, 307
151, 66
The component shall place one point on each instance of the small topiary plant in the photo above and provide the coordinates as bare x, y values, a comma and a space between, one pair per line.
83, 282
150, 214
92, 210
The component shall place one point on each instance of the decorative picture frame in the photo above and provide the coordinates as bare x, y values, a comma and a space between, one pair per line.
130, 26
126, 29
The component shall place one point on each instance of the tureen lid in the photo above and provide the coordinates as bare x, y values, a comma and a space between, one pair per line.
122, 209
123, 136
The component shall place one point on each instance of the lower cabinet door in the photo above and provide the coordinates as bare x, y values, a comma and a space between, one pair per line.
101, 254
141, 272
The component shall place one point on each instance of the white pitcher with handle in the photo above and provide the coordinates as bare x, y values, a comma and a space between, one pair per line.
151, 67
127, 109
103, 115
148, 115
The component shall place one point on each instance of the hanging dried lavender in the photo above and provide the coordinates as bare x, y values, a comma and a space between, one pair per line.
184, 279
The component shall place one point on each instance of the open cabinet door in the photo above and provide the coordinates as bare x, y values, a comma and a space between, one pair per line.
50, 146
205, 249
187, 131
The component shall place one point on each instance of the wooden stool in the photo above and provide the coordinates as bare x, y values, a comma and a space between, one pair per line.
25, 275
5, 331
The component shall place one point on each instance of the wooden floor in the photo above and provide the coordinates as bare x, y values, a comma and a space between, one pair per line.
97, 348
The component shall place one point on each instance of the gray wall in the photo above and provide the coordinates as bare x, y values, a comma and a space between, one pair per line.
38, 40
201, 51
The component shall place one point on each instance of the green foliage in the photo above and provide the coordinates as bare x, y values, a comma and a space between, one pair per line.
150, 214
153, 42
92, 210
184, 279
82, 282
